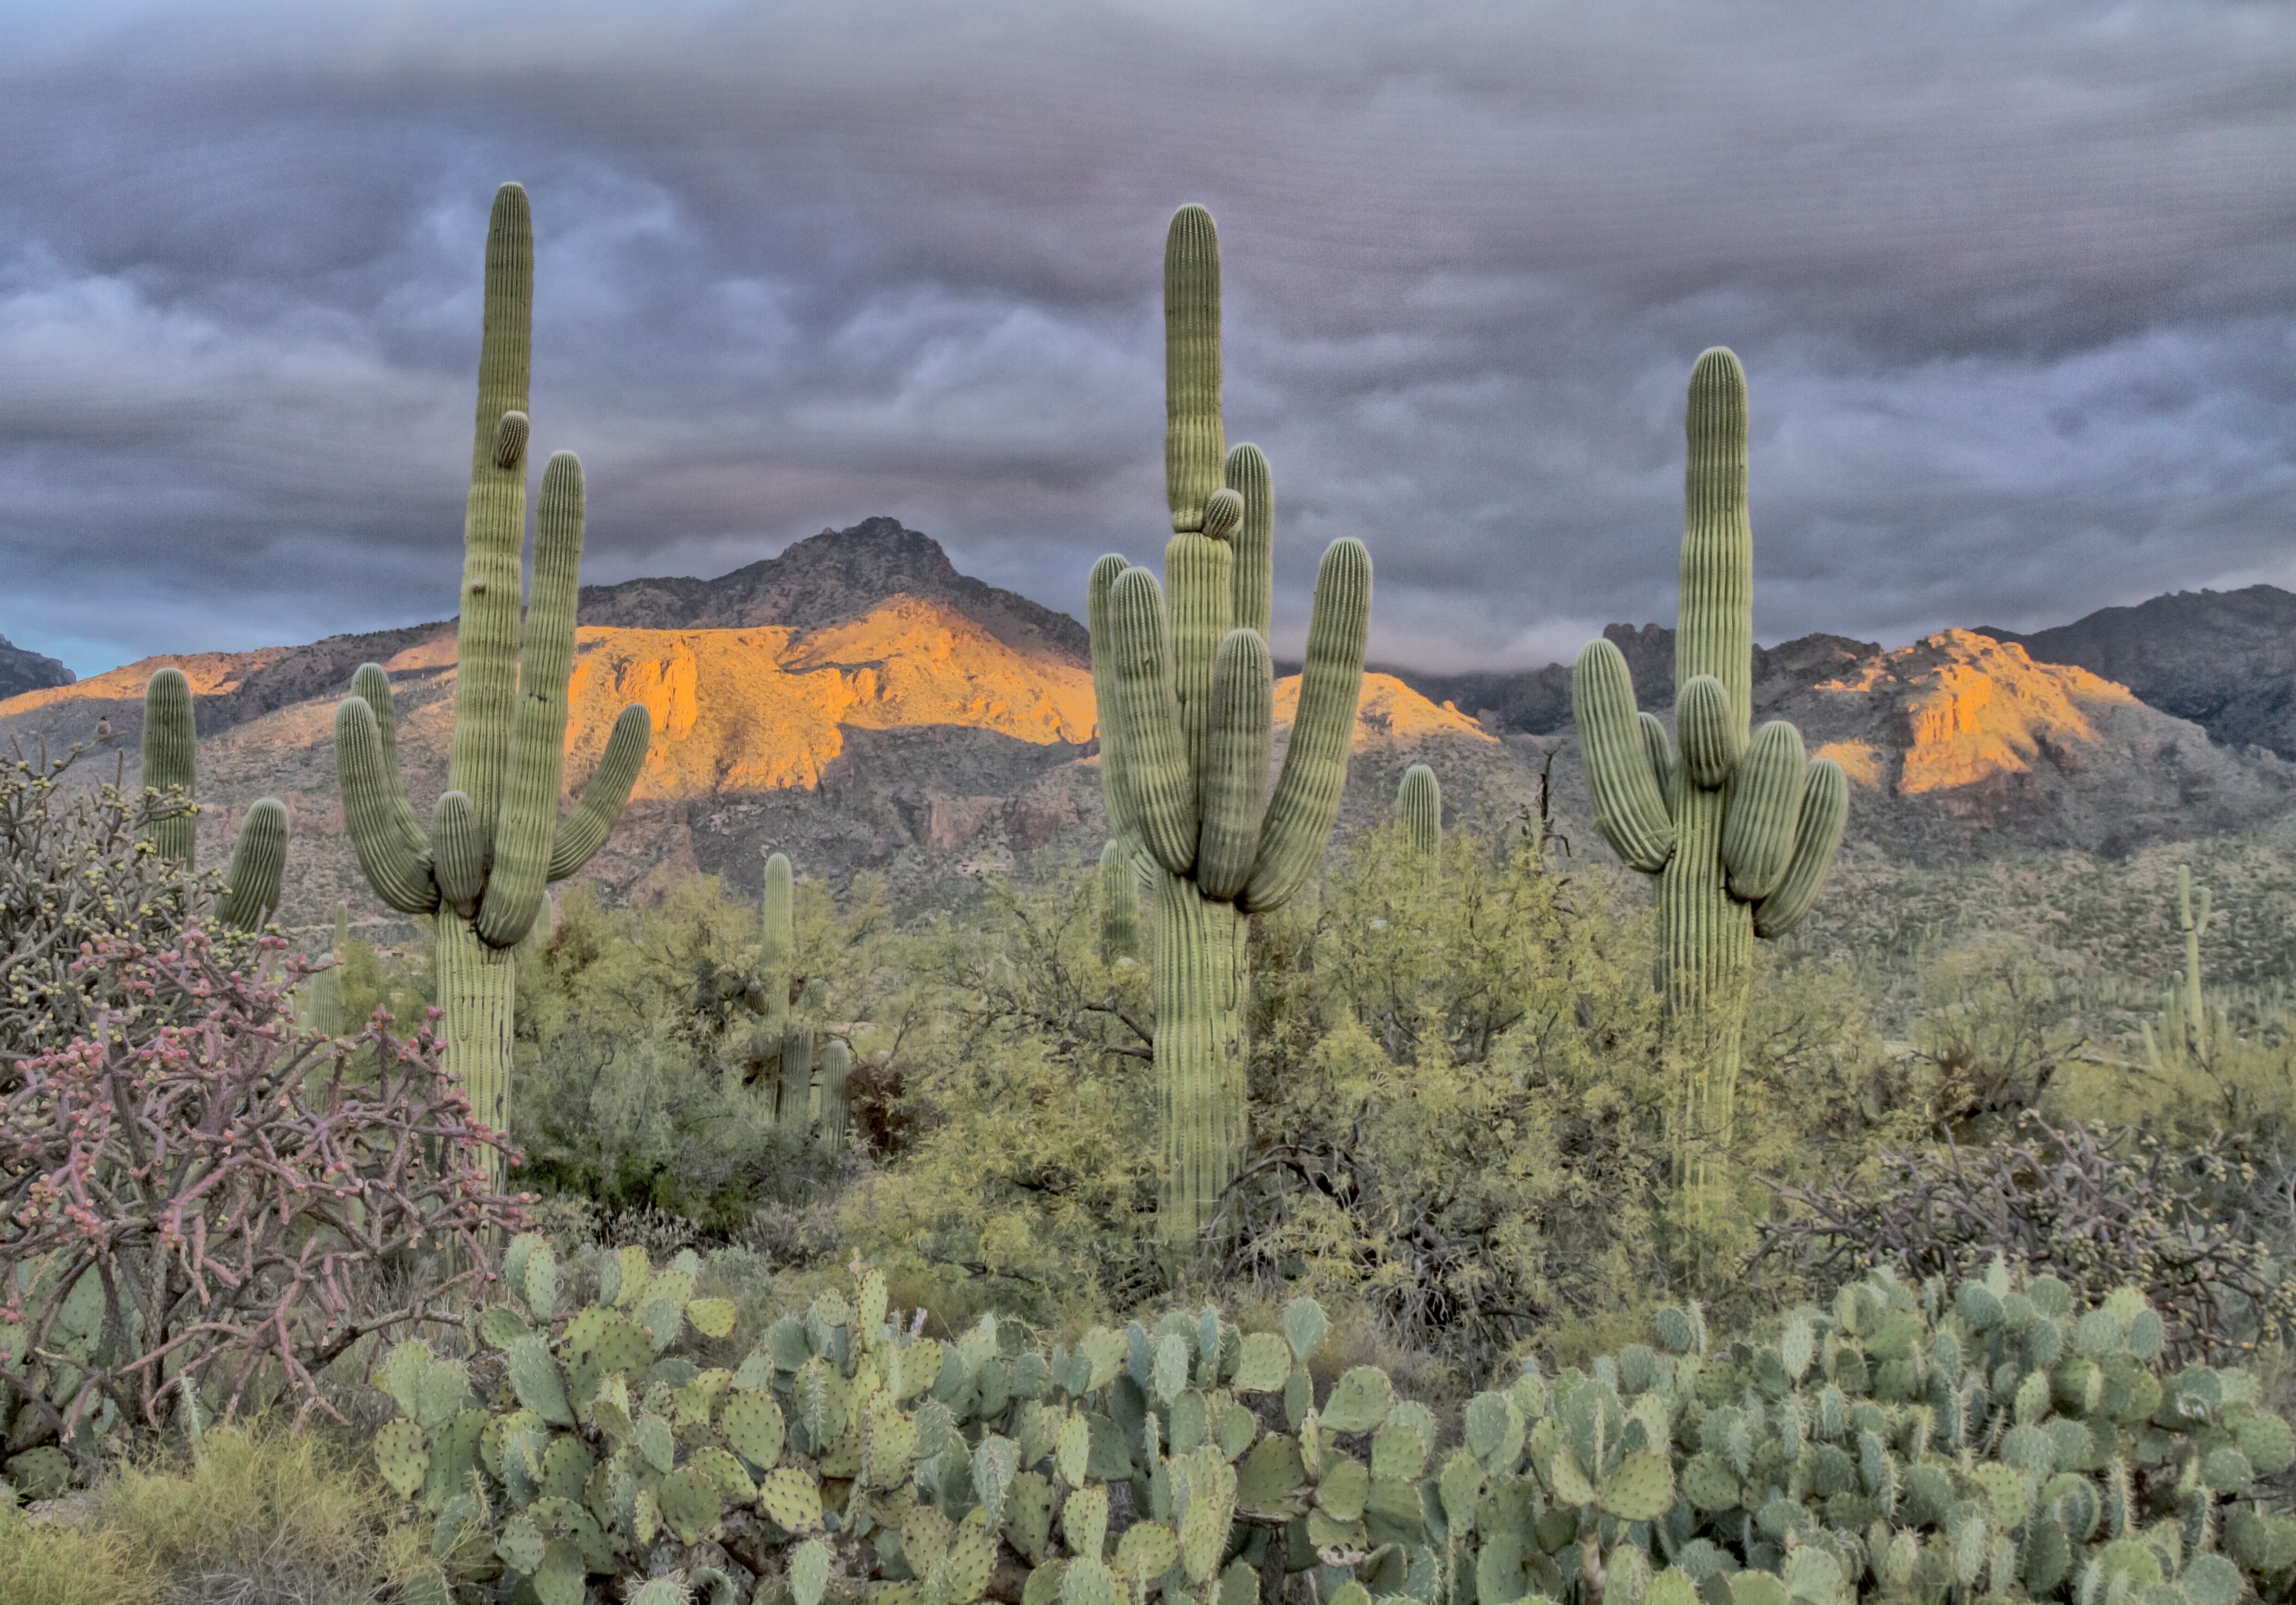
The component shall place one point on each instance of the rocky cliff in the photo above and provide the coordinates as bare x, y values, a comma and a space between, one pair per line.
2225, 659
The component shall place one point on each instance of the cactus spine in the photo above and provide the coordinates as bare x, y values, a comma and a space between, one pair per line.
259, 856
1186, 703
1419, 811
494, 840
1740, 827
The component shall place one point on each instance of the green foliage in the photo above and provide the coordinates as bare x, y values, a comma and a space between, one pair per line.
640, 1049
1029, 1159
1457, 1107
258, 1514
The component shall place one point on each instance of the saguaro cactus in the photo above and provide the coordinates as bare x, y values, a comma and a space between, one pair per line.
836, 1076
1419, 811
1740, 832
1120, 902
259, 856
1186, 689
2185, 1027
494, 840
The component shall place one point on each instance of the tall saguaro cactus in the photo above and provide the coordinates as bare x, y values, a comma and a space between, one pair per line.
1739, 828
495, 841
1419, 809
1187, 706
259, 856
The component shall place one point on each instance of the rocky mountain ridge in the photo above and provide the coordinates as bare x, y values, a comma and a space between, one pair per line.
23, 670
859, 703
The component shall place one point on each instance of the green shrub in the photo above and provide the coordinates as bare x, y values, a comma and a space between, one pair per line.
641, 1082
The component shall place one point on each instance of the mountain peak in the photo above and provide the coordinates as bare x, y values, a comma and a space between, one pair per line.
23, 670
830, 578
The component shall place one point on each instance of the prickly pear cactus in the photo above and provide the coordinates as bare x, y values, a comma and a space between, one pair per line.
1908, 1442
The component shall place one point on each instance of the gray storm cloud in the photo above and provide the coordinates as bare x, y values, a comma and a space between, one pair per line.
2016, 288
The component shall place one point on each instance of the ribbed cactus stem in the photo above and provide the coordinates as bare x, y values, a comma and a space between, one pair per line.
1740, 832
494, 521
1104, 574
777, 942
1254, 541
1419, 811
2196, 1017
1120, 903
495, 842
170, 748
323, 996
1196, 448
1202, 987
793, 1101
836, 1077
258, 862
1186, 688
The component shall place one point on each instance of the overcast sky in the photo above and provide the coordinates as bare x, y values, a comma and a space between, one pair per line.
2015, 286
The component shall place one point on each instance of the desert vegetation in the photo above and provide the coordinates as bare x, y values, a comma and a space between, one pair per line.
1242, 1213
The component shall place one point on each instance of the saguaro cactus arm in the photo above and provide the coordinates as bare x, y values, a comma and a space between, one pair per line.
1760, 821
170, 761
258, 862
1120, 902
527, 828
583, 831
1817, 834
1630, 807
395, 858
1235, 753
1114, 798
1146, 714
1254, 541
1306, 800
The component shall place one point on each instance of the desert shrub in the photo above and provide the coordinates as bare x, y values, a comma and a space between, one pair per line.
1027, 1103
1458, 1098
1915, 1442
2099, 1208
641, 1082
75, 868
262, 1514
76, 1563
220, 1209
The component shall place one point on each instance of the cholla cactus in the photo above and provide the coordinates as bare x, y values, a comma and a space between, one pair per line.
1187, 706
1906, 1442
494, 841
259, 856
1739, 831
1419, 811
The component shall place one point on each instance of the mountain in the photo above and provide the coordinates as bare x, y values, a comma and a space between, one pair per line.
25, 670
2225, 659
856, 703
